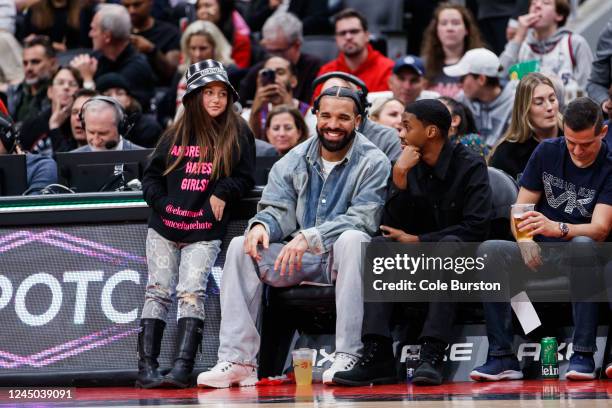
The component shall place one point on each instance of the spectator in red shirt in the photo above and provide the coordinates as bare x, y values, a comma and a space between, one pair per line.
356, 55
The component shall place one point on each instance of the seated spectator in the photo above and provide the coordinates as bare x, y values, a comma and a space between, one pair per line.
406, 82
275, 85
76, 126
144, 129
601, 70
29, 97
104, 122
388, 112
201, 40
356, 56
432, 175
348, 175
282, 37
451, 33
113, 52
383, 137
221, 13
482, 92
541, 36
285, 128
535, 117
314, 14
569, 179
463, 127
41, 170
49, 131
57, 19
157, 40
11, 66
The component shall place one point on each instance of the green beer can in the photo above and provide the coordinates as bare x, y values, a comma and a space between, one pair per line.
548, 358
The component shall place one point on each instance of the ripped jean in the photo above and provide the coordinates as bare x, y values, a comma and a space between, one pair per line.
167, 261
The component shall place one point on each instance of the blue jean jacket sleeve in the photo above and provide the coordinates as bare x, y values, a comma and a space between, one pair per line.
276, 209
363, 214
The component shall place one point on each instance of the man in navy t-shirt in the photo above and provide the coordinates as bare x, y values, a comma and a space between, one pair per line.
569, 179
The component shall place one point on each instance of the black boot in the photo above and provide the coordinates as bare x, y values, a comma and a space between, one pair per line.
189, 339
149, 344
429, 370
376, 365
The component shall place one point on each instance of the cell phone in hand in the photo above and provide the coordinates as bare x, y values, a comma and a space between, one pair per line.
268, 76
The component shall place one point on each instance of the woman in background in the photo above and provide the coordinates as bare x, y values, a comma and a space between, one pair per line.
223, 14
463, 127
451, 33
285, 128
535, 117
388, 112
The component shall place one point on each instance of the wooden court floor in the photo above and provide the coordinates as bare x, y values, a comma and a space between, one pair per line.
515, 394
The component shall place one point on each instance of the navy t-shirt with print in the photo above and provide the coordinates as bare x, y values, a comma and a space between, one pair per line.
569, 193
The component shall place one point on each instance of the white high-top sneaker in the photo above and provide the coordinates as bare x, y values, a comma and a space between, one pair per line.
226, 374
342, 362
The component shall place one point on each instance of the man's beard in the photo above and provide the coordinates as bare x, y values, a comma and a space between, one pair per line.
335, 146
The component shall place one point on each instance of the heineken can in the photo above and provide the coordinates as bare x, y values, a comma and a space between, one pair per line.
548, 358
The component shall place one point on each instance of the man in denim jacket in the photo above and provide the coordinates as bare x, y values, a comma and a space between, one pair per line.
325, 197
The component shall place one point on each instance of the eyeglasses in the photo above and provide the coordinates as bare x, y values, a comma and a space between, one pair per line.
71, 84
353, 31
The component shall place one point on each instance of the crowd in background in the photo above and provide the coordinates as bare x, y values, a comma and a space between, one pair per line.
59, 53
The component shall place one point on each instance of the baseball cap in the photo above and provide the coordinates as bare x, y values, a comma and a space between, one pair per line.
204, 72
410, 61
479, 61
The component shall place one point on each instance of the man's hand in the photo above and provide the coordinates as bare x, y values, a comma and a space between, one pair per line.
291, 255
409, 158
217, 205
257, 235
398, 235
535, 223
530, 251
263, 94
59, 115
142, 44
86, 65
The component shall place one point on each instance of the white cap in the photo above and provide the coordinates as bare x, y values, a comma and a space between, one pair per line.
479, 61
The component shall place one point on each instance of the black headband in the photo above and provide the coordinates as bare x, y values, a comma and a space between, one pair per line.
342, 92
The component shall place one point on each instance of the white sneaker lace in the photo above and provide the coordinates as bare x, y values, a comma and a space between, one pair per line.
346, 361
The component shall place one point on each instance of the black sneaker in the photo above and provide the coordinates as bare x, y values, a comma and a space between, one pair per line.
429, 370
375, 366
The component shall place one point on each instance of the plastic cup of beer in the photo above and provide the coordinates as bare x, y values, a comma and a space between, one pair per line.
516, 212
302, 365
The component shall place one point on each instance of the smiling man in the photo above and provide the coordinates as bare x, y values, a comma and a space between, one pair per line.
324, 197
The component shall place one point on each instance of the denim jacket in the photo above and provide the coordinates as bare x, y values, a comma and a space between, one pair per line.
298, 198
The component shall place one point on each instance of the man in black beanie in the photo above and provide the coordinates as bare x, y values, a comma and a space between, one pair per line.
442, 194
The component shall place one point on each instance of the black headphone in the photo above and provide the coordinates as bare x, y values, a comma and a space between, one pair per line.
341, 92
362, 93
123, 125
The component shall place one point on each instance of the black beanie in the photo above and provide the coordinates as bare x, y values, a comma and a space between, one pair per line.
432, 112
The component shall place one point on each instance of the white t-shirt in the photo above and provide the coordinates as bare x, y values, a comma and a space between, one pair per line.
328, 166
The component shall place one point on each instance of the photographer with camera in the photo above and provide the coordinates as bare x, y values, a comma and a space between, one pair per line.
275, 84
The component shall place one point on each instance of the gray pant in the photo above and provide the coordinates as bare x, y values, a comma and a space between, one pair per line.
242, 286
167, 261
